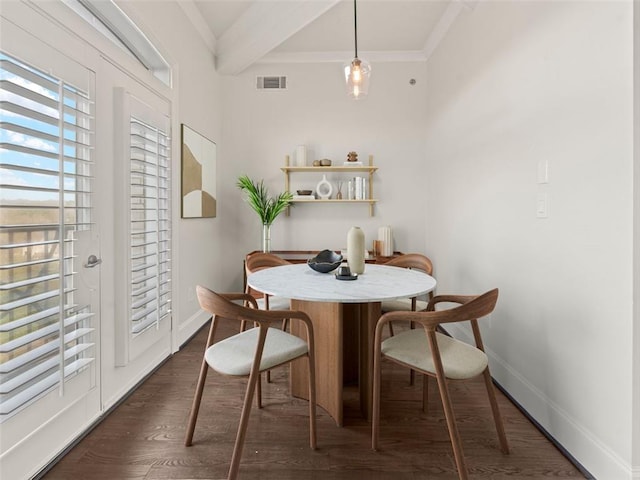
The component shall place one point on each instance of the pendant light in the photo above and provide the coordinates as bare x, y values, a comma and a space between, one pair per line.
357, 73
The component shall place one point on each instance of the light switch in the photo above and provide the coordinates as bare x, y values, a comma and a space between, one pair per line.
542, 206
543, 171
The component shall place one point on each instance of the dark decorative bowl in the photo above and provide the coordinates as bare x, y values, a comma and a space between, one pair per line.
325, 262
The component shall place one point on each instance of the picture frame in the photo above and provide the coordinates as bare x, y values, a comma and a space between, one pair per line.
198, 175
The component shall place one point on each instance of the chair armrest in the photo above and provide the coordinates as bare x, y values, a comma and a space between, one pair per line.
460, 299
245, 297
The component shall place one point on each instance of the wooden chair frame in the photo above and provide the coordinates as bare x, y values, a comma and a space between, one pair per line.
415, 261
258, 261
254, 262
470, 308
222, 306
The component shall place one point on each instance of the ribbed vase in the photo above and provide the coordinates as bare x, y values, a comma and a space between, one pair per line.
355, 250
266, 238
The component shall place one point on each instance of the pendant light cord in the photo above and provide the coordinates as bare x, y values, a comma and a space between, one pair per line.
355, 26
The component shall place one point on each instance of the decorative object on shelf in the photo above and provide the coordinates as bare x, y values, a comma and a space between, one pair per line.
352, 157
324, 188
304, 192
301, 156
359, 188
339, 194
316, 163
198, 175
326, 261
357, 73
325, 162
386, 241
267, 208
345, 173
355, 250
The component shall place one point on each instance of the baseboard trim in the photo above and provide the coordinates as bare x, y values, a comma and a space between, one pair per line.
544, 432
603, 462
187, 329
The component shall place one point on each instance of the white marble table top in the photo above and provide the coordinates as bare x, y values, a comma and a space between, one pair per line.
377, 283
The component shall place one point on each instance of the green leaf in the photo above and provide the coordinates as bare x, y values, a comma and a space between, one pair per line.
266, 207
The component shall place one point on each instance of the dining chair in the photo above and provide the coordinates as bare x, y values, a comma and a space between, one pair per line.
435, 354
257, 261
415, 261
254, 262
249, 353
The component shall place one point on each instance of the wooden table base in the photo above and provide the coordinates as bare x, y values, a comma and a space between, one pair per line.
343, 353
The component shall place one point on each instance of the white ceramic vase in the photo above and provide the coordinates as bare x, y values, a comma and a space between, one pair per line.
324, 188
355, 250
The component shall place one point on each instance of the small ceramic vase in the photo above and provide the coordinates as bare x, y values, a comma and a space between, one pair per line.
355, 250
324, 188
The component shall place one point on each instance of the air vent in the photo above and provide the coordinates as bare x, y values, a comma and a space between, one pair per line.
271, 83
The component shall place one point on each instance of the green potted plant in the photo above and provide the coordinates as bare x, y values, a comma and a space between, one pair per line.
267, 208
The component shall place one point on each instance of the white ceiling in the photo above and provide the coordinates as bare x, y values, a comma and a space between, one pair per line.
242, 32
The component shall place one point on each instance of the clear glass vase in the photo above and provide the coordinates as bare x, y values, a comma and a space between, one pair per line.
266, 238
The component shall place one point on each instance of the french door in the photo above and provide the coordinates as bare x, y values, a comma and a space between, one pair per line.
49, 249
85, 242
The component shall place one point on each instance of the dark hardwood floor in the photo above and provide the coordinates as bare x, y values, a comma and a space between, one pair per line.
143, 437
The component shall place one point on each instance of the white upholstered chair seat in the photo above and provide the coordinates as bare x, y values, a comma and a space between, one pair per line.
455, 360
401, 305
234, 355
275, 303
247, 354
460, 360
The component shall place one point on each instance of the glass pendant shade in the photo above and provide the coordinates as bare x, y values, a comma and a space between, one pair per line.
357, 75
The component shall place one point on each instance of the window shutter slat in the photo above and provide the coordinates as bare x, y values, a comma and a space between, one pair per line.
149, 202
46, 139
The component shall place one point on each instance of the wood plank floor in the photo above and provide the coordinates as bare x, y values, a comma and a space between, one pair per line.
143, 437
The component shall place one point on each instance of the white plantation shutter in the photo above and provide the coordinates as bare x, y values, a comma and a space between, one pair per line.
46, 136
150, 226
143, 231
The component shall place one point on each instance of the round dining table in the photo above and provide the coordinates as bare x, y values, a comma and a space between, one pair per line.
344, 314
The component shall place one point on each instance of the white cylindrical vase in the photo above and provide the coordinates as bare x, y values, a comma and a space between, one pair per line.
355, 250
301, 156
384, 234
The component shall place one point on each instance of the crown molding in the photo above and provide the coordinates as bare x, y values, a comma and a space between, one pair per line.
343, 57
266, 25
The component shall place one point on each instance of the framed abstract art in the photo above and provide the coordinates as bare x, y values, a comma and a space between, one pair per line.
198, 175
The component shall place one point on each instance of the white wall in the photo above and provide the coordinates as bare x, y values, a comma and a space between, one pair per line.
514, 84
197, 245
261, 127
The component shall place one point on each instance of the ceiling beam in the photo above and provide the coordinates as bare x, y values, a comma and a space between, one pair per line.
195, 17
261, 28
444, 24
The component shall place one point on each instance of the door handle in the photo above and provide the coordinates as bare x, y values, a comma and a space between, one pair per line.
92, 261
